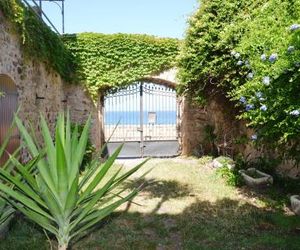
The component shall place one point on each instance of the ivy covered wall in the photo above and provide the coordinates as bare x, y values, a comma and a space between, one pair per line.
42, 62
98, 61
109, 61
249, 50
38, 40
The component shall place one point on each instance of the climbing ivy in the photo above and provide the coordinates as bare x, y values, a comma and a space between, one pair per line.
99, 61
38, 40
109, 61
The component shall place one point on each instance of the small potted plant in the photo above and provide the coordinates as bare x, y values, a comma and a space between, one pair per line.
295, 203
255, 178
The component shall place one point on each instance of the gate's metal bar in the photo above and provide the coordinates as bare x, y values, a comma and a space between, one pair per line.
125, 105
141, 120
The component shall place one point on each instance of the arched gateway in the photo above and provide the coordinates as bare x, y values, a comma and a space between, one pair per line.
144, 116
8, 106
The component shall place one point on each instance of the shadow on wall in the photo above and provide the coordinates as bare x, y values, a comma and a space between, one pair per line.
212, 128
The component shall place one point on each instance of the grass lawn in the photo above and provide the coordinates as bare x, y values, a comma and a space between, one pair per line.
184, 205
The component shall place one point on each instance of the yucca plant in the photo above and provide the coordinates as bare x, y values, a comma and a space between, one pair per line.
6, 210
55, 196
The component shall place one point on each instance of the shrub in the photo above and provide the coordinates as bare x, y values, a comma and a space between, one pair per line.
54, 195
116, 60
231, 176
6, 210
250, 51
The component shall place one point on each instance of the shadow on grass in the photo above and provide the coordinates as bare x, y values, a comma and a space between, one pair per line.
163, 189
271, 197
224, 224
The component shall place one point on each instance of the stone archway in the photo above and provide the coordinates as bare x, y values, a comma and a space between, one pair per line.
8, 106
160, 103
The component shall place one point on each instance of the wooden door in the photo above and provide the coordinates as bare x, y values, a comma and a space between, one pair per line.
8, 106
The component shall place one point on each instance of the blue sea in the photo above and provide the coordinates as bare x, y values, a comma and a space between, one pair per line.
133, 117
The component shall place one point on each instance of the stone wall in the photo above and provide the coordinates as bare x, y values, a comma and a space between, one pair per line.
201, 130
212, 128
41, 89
81, 106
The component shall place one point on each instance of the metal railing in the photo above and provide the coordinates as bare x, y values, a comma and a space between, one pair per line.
38, 11
144, 112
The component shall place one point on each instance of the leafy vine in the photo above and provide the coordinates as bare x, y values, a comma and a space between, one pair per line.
109, 61
38, 40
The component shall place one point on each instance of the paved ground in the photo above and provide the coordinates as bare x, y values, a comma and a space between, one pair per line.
152, 149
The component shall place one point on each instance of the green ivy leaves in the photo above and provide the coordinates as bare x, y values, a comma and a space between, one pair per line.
39, 41
110, 61
96, 60
223, 50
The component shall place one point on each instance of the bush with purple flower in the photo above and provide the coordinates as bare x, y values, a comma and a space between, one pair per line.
254, 137
255, 61
250, 75
273, 57
294, 27
263, 57
295, 113
237, 55
266, 80
258, 94
291, 49
263, 108
249, 107
243, 100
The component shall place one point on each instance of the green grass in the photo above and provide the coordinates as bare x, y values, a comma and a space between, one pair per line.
184, 205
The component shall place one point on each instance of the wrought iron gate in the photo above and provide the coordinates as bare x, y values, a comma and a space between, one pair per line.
8, 105
146, 114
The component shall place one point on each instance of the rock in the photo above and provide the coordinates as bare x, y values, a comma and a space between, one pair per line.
223, 161
255, 178
295, 203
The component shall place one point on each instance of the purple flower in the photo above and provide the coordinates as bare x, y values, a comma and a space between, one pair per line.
249, 107
254, 137
247, 64
250, 75
243, 99
263, 108
258, 94
295, 112
273, 57
239, 63
266, 80
291, 49
263, 57
294, 27
237, 55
